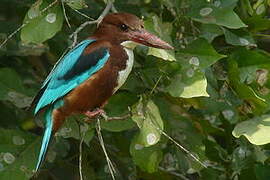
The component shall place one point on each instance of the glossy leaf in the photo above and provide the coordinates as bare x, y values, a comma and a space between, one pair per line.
162, 30
217, 12
19, 152
200, 53
12, 88
77, 4
147, 158
190, 81
147, 117
240, 75
210, 32
188, 87
77, 130
239, 38
41, 26
121, 110
255, 130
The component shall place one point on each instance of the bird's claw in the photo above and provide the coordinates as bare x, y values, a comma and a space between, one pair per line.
95, 113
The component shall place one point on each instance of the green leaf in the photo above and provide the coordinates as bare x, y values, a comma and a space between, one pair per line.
188, 87
76, 4
258, 23
200, 53
242, 158
12, 89
147, 117
255, 130
210, 32
250, 63
41, 26
262, 171
210, 174
71, 129
260, 154
11, 83
118, 125
162, 30
190, 81
161, 53
124, 100
239, 38
247, 5
147, 158
18, 99
243, 65
19, 151
216, 12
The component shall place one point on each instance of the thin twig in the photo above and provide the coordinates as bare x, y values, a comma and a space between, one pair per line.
174, 173
24, 24
115, 117
80, 156
179, 145
119, 117
74, 35
162, 132
105, 11
80, 148
109, 162
12, 34
155, 86
82, 14
65, 15
263, 35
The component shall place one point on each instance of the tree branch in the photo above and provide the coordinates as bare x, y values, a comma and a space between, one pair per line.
64, 12
74, 35
109, 162
80, 150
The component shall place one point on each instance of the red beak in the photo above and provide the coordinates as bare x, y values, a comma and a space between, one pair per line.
148, 39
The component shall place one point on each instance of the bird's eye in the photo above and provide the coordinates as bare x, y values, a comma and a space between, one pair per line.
124, 27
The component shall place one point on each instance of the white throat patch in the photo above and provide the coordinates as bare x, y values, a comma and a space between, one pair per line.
129, 44
122, 75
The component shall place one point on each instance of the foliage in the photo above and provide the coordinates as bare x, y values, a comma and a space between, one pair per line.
211, 94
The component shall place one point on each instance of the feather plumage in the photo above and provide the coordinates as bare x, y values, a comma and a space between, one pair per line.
72, 70
46, 137
90, 73
60, 81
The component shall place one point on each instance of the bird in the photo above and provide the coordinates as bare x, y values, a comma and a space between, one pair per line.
89, 74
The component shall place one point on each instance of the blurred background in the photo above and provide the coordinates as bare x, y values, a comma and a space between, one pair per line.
211, 94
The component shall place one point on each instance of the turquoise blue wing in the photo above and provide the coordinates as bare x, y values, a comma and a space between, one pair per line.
73, 69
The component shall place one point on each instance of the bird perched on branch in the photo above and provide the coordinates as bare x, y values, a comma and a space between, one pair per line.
89, 74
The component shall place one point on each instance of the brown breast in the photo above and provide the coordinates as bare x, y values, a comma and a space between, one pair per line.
95, 91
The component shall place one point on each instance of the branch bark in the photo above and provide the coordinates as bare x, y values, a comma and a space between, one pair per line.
74, 35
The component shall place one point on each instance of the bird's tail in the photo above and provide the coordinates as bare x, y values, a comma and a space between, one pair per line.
46, 137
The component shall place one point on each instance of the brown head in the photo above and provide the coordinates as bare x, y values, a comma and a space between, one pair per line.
121, 27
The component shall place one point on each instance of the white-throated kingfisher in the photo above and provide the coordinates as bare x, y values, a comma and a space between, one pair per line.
89, 74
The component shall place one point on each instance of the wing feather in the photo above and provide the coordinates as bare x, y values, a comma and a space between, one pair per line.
73, 69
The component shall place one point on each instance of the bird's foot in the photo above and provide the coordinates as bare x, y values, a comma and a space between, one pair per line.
93, 114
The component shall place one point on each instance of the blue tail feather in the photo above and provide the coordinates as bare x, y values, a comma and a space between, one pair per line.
46, 137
